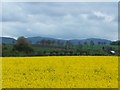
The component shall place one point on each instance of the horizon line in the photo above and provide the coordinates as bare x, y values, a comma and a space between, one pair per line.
60, 38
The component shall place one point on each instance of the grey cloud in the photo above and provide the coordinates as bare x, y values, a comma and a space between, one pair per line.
59, 20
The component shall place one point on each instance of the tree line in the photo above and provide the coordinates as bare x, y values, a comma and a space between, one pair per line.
23, 47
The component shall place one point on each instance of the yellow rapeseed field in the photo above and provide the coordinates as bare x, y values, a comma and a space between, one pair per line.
0, 72
60, 72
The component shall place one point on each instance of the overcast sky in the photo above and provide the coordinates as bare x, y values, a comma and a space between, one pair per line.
60, 20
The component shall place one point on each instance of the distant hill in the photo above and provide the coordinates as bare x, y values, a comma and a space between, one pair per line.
116, 42
34, 40
7, 40
94, 40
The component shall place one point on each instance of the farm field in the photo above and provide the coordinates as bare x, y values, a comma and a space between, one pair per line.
60, 72
0, 72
